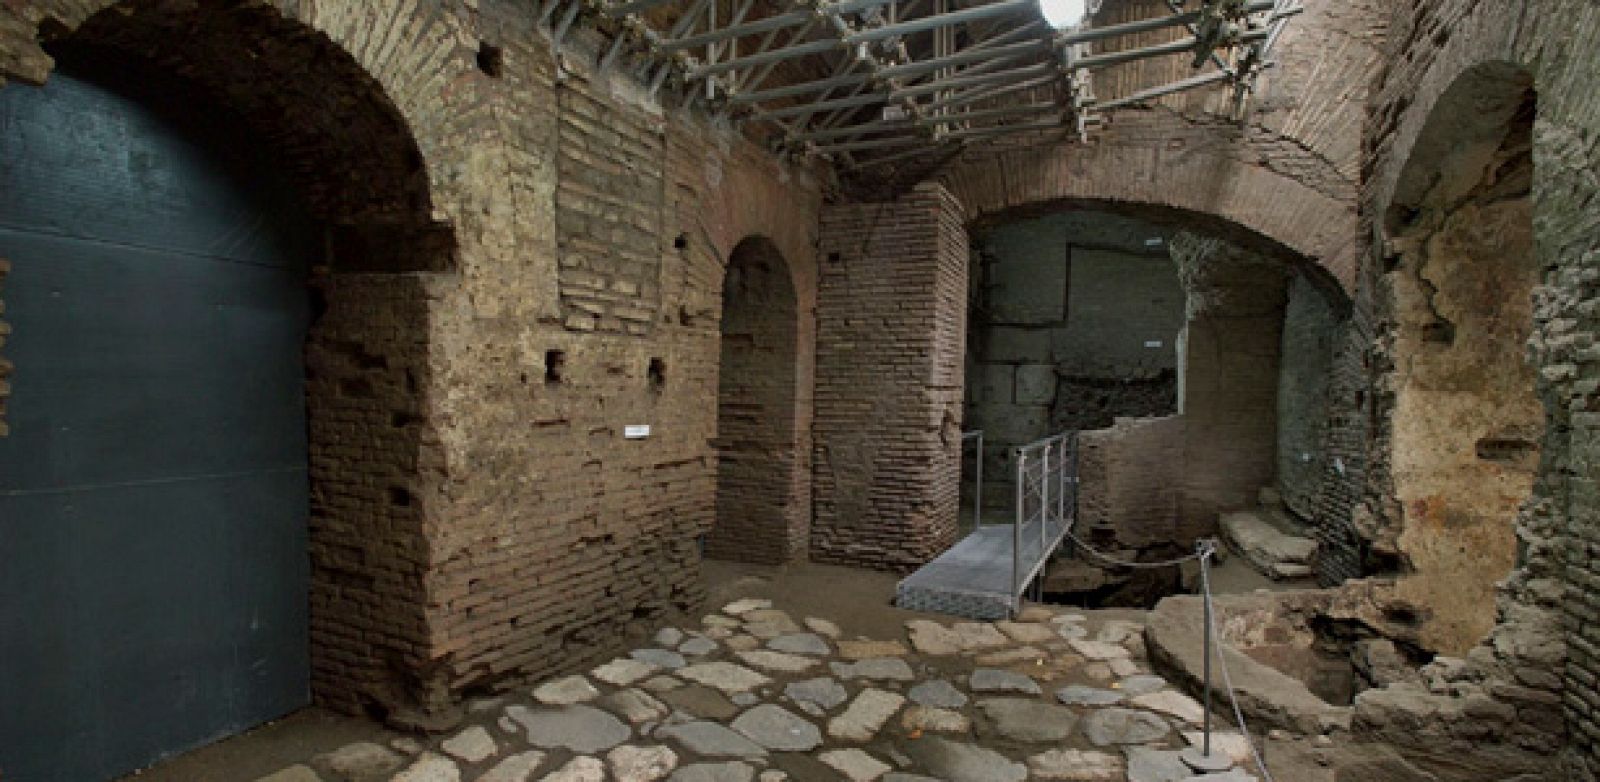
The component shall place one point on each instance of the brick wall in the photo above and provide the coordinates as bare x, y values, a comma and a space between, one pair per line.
759, 511
1229, 377
1542, 648
478, 517
608, 210
891, 327
1311, 325
1130, 485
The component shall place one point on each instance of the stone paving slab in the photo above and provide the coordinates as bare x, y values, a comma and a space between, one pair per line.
752, 695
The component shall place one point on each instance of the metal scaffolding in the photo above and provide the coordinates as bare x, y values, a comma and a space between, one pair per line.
869, 82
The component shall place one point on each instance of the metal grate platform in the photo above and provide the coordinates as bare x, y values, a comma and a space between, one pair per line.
973, 578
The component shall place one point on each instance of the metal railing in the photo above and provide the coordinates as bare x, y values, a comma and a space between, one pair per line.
1047, 498
977, 492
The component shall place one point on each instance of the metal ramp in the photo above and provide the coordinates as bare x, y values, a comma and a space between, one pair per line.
985, 574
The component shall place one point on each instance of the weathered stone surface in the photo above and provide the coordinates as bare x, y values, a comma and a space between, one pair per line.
565, 691
662, 658
779, 662
826, 693
582, 769
1227, 742
641, 764
1267, 548
992, 680
714, 772
668, 637
711, 740
1141, 684
960, 762
861, 649
742, 642
361, 761
578, 728
979, 635
935, 720
515, 768
855, 765
777, 728
1027, 632
1025, 654
430, 768
701, 701
932, 638
1098, 650
633, 705
823, 627
1076, 766
879, 668
1154, 765
623, 671
1174, 703
1113, 726
746, 605
1022, 719
1078, 695
865, 715
800, 643
938, 693
473, 745
662, 683
724, 676
698, 646
769, 623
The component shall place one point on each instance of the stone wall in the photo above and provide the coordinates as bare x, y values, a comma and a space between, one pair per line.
479, 518
1451, 59
1072, 325
891, 328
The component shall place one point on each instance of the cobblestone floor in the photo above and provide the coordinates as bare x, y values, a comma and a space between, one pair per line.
754, 693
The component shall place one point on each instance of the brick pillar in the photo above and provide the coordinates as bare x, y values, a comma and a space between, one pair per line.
891, 332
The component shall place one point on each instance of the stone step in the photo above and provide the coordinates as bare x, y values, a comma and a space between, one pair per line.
1278, 554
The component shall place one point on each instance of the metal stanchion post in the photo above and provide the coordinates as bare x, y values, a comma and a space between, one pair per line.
1205, 760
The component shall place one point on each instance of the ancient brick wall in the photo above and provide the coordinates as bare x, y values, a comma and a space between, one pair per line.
891, 327
759, 507
1450, 59
1229, 377
1130, 491
479, 518
1311, 325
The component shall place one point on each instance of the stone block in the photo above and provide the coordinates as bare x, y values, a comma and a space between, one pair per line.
1035, 384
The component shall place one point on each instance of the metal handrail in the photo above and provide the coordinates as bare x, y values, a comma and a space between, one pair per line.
1064, 474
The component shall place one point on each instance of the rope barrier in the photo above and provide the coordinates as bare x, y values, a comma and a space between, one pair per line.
1222, 661
1124, 563
1205, 549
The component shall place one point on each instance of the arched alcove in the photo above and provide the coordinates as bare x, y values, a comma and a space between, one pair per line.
242, 319
1467, 424
760, 517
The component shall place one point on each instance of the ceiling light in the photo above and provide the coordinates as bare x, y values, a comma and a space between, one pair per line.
1062, 14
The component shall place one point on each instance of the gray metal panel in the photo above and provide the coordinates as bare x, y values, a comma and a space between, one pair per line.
153, 493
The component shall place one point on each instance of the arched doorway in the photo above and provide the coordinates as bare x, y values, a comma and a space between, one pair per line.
154, 485
214, 479
1467, 423
759, 484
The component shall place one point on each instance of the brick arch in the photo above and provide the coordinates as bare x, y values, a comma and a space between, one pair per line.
763, 487
1167, 163
337, 127
334, 126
